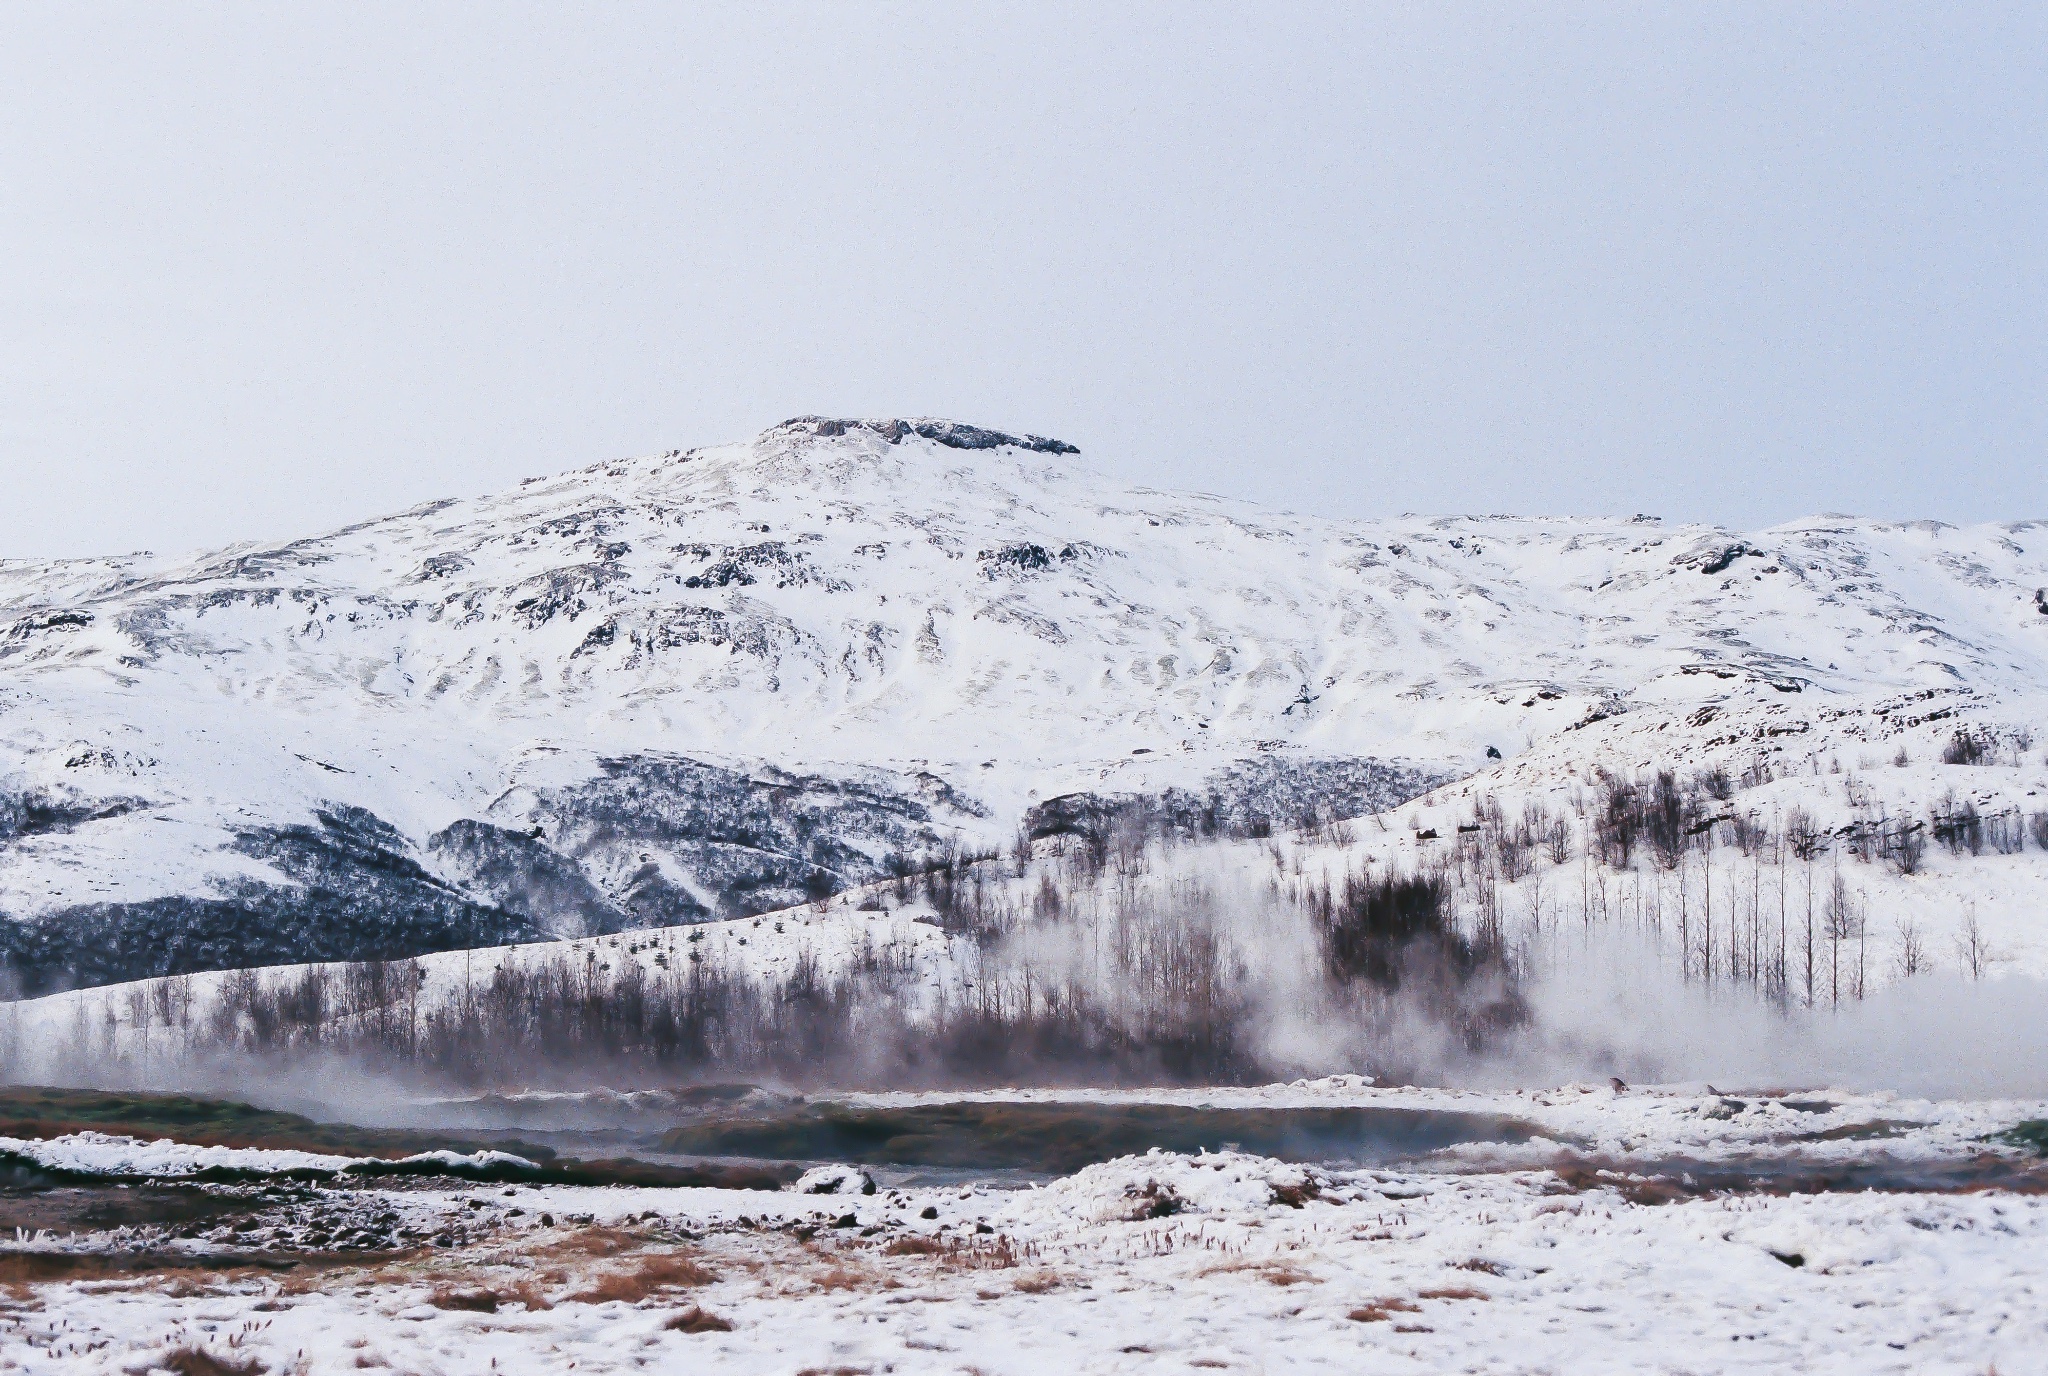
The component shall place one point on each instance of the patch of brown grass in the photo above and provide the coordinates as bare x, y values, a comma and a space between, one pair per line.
1452, 1292
593, 1241
33, 1268
695, 1320
488, 1299
649, 1275
30, 1268
1282, 1274
841, 1278
1379, 1311
20, 1271
915, 1246
324, 1280
1272, 1272
192, 1360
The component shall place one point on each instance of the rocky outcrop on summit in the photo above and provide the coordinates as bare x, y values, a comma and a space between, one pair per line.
950, 433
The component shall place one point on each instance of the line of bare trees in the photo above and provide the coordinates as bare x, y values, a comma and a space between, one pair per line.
1087, 953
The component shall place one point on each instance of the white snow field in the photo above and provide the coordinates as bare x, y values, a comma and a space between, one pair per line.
1162, 1262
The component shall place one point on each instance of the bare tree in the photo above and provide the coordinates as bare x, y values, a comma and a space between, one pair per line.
1906, 846
1972, 953
1841, 922
1912, 949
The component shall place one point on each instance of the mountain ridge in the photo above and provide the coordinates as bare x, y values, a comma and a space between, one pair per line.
718, 679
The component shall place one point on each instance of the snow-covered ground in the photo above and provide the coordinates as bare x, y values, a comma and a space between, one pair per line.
1154, 1263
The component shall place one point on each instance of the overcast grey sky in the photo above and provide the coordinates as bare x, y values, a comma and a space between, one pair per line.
265, 270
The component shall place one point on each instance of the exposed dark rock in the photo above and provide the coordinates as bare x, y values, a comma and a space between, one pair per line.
648, 632
1717, 557
950, 433
440, 566
740, 566
1012, 560
41, 814
544, 597
1251, 798
49, 621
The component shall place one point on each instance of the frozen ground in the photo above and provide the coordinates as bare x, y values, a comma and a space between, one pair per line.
1155, 1263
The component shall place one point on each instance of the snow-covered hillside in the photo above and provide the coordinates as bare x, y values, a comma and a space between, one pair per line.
713, 682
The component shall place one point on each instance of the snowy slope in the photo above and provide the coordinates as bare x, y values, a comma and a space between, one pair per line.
705, 683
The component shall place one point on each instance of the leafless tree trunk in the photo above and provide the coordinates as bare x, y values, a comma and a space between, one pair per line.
1912, 949
1971, 951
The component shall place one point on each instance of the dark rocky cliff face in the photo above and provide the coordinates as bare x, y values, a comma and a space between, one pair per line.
680, 840
651, 841
1253, 798
355, 893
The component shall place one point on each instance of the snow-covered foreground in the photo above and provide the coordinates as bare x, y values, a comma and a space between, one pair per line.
1153, 1263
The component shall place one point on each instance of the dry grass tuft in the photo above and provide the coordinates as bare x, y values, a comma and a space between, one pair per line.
1280, 1273
33, 1268
695, 1320
1379, 1311
667, 1271
21, 1271
197, 1361
1272, 1272
1452, 1292
489, 1299
595, 1241
842, 1278
915, 1246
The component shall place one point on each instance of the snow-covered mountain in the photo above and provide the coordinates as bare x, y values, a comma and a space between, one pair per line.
715, 681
